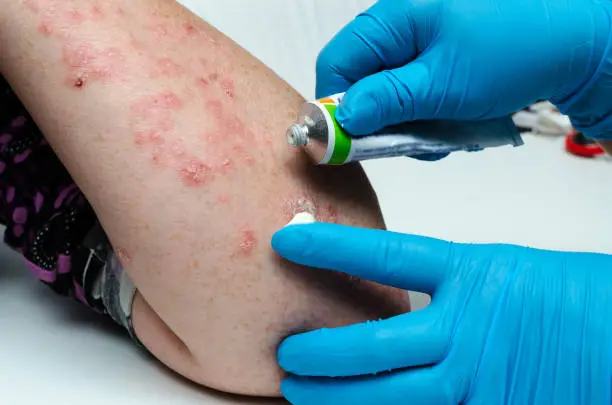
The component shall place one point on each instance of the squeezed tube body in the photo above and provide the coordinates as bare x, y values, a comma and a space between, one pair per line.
324, 140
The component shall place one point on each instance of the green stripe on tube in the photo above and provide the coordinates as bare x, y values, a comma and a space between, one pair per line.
342, 146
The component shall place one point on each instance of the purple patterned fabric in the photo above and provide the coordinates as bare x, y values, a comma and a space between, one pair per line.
45, 214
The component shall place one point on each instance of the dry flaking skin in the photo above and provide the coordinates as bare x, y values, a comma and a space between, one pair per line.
305, 205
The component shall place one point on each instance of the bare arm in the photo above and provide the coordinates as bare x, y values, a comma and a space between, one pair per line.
175, 135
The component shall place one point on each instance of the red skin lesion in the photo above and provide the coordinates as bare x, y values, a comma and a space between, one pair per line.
96, 13
160, 30
153, 117
328, 213
177, 150
164, 28
165, 67
190, 29
154, 123
86, 63
58, 18
248, 242
323, 212
46, 28
148, 137
149, 108
241, 153
226, 164
223, 199
227, 86
228, 124
124, 256
159, 157
79, 83
75, 16
78, 56
212, 141
195, 173
234, 125
215, 108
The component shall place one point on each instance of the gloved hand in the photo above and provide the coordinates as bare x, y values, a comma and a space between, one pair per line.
507, 324
470, 60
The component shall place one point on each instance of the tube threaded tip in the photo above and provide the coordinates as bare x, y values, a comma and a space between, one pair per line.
297, 135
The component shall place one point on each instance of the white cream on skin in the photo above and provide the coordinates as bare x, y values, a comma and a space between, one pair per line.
302, 218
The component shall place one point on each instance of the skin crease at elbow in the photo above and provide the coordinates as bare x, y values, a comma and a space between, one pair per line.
155, 122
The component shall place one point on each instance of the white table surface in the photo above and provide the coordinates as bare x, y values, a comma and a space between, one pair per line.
52, 351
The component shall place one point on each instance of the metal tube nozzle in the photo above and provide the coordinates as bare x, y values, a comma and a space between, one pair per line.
297, 135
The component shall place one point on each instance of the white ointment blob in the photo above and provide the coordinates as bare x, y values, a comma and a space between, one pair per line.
302, 218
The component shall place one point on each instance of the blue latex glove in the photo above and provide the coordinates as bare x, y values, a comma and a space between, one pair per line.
470, 60
507, 324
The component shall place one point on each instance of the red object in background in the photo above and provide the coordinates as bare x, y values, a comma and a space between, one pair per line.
577, 144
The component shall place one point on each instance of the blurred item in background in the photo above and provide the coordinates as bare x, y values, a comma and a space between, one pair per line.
578, 144
542, 118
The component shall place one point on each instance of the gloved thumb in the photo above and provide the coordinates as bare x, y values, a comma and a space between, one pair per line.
386, 98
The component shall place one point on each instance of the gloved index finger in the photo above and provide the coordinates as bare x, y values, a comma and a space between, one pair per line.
405, 261
408, 340
376, 39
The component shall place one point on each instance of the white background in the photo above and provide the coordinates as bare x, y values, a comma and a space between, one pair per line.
53, 352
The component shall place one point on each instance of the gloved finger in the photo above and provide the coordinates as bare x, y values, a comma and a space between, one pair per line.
408, 340
418, 386
430, 157
405, 261
378, 38
388, 98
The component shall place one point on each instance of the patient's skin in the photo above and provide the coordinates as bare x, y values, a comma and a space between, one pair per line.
176, 136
